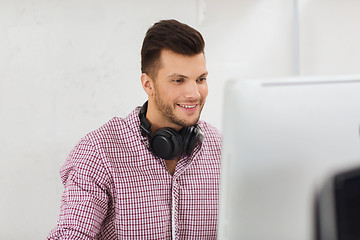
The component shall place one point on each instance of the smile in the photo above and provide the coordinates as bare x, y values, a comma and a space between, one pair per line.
187, 106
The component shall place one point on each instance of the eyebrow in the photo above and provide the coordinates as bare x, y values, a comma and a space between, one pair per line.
183, 76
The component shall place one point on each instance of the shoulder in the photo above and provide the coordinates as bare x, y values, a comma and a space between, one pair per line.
211, 133
109, 131
110, 141
90, 150
209, 130
117, 131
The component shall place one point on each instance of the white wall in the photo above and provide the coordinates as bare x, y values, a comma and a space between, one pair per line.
329, 37
66, 67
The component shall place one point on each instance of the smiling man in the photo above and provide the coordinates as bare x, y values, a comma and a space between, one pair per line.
155, 173
177, 94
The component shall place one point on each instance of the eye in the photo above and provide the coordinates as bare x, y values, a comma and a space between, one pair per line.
180, 80
200, 80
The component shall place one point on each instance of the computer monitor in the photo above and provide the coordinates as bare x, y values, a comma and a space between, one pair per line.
283, 138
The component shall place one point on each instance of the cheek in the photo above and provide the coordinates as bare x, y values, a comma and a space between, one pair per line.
203, 91
167, 94
161, 90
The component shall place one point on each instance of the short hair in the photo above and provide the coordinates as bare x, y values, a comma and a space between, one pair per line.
170, 35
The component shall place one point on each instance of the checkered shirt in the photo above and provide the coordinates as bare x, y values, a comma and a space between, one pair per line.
115, 188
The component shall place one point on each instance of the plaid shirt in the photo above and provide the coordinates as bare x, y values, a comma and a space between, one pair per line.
115, 188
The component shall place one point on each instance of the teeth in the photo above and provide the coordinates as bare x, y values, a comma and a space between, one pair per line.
187, 106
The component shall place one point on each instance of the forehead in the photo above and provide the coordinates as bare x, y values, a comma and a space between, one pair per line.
171, 62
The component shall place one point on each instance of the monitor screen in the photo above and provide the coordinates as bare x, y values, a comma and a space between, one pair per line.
282, 139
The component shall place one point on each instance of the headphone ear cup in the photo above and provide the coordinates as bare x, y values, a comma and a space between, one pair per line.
189, 137
166, 143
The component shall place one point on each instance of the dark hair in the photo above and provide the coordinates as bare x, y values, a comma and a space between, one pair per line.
171, 35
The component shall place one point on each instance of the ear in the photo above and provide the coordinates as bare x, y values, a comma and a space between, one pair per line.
147, 84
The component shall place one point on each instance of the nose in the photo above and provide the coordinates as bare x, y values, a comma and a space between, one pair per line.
192, 91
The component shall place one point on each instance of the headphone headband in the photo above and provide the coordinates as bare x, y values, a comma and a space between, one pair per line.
144, 124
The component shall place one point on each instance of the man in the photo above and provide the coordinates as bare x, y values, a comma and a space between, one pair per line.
155, 173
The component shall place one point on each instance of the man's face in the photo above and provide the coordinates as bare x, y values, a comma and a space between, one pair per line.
180, 89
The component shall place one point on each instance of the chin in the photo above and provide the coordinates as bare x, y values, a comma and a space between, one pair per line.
184, 120
191, 123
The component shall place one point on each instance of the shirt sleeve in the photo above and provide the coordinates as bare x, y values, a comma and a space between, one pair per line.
85, 200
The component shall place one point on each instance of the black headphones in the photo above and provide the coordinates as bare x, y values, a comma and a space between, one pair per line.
166, 142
